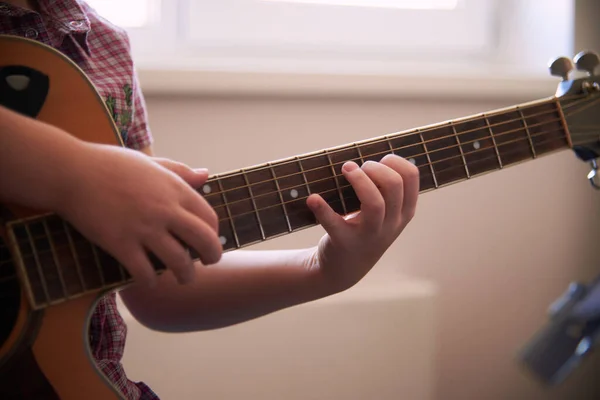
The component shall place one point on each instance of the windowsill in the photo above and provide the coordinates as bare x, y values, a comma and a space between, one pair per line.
169, 82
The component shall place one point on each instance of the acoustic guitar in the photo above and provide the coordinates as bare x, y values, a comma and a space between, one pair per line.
51, 276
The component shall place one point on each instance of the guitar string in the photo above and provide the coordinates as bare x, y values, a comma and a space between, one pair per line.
294, 213
53, 251
395, 149
426, 175
329, 165
389, 151
386, 139
576, 100
588, 105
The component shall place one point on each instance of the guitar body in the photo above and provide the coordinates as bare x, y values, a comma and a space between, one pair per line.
44, 352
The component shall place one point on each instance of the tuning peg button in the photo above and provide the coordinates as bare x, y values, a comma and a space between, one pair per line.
587, 61
561, 67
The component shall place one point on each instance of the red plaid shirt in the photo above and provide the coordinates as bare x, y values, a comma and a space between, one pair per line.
102, 51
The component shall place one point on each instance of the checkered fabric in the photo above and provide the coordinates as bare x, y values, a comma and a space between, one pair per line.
102, 50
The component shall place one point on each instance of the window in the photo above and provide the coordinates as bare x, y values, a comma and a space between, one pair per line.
453, 38
127, 14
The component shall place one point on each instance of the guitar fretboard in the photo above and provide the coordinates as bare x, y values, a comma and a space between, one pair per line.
266, 201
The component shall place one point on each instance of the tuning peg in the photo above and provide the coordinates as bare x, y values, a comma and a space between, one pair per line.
587, 61
561, 67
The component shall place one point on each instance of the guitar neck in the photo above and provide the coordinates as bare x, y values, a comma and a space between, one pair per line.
266, 201
258, 203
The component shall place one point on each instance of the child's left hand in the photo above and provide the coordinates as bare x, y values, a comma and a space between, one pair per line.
388, 192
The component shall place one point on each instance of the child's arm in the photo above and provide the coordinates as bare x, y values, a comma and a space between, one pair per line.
248, 284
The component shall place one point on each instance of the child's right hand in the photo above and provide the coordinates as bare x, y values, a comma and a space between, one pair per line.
129, 203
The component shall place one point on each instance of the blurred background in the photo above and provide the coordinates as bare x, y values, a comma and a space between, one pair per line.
234, 83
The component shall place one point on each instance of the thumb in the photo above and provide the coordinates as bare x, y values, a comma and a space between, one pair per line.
329, 219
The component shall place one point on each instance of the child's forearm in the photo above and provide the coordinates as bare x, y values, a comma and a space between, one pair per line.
245, 285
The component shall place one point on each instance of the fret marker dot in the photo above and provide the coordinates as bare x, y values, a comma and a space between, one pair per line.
476, 145
206, 189
294, 193
223, 240
412, 161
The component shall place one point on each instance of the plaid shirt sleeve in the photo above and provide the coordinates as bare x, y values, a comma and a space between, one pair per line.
139, 135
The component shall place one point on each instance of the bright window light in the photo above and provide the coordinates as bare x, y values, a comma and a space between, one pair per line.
402, 4
127, 14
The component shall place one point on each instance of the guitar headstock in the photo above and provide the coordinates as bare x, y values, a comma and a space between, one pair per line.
579, 98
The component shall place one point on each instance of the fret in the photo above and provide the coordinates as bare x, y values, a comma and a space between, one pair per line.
489, 126
425, 148
337, 183
211, 191
338, 158
45, 260
303, 174
294, 188
278, 188
236, 195
55, 258
28, 266
321, 180
260, 224
510, 136
389, 143
444, 154
75, 258
477, 145
360, 156
53, 270
269, 201
527, 131
410, 146
38, 266
229, 215
62, 257
462, 154
374, 150
48, 263
545, 125
563, 121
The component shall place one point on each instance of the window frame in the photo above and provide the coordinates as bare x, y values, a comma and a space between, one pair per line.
513, 53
